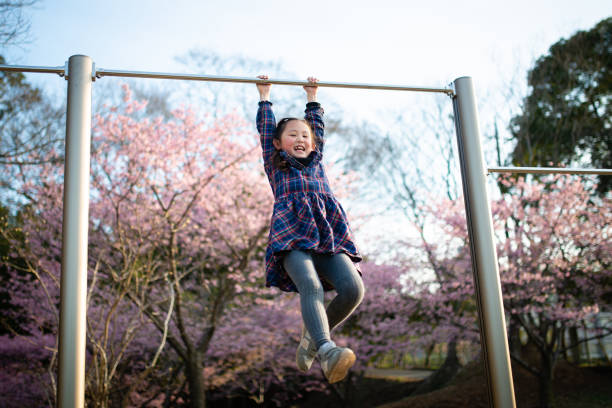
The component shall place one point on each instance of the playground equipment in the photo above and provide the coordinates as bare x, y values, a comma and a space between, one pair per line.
80, 72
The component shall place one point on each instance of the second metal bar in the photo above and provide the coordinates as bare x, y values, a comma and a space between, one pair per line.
29, 68
549, 170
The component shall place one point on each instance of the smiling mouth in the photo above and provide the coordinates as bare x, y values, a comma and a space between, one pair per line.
299, 148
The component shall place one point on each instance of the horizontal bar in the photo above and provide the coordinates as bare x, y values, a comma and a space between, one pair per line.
549, 170
27, 68
195, 77
99, 73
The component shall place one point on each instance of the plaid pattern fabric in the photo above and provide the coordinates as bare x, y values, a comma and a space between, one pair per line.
306, 214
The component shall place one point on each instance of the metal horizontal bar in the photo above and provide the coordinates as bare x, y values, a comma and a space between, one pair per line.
549, 170
101, 72
27, 68
214, 78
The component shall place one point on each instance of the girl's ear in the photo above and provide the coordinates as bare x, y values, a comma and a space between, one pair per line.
277, 144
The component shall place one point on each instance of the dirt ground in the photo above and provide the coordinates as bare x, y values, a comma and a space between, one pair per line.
574, 387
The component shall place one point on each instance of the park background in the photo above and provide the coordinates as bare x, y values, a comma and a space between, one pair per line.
215, 332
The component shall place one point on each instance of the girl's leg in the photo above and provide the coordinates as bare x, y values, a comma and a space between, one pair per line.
339, 270
301, 270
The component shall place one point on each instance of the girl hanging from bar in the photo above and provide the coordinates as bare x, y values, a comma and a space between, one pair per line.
310, 248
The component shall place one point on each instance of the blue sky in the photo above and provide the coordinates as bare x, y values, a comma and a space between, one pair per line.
428, 43
425, 42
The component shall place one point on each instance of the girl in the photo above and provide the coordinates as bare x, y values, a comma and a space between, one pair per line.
310, 247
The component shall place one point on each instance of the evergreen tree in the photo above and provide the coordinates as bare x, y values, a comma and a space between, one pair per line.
566, 117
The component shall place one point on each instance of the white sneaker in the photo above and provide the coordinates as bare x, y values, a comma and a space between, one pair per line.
335, 361
306, 351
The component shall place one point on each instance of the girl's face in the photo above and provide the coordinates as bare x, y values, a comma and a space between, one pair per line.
296, 139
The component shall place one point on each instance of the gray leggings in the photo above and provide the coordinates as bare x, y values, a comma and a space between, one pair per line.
340, 272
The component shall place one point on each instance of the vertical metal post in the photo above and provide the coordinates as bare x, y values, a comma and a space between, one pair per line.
484, 256
73, 291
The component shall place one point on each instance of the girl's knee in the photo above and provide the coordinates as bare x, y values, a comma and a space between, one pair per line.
359, 291
352, 292
311, 284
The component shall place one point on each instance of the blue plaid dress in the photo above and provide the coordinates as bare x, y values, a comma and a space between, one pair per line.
306, 215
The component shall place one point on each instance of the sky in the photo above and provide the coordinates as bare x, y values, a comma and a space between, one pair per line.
426, 43
407, 42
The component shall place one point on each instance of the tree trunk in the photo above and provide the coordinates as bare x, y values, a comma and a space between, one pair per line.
514, 336
195, 380
448, 370
575, 349
587, 348
603, 351
428, 352
546, 380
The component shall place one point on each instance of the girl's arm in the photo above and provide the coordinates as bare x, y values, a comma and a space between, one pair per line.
266, 122
314, 113
263, 89
311, 90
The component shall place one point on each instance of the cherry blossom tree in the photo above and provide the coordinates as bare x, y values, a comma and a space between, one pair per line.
196, 196
555, 257
178, 220
554, 251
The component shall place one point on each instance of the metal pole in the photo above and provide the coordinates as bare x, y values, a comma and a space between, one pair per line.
484, 257
73, 292
549, 170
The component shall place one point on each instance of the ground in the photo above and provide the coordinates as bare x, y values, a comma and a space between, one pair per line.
574, 387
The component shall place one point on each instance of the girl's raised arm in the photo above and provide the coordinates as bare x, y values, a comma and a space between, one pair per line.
311, 90
314, 112
266, 122
264, 89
